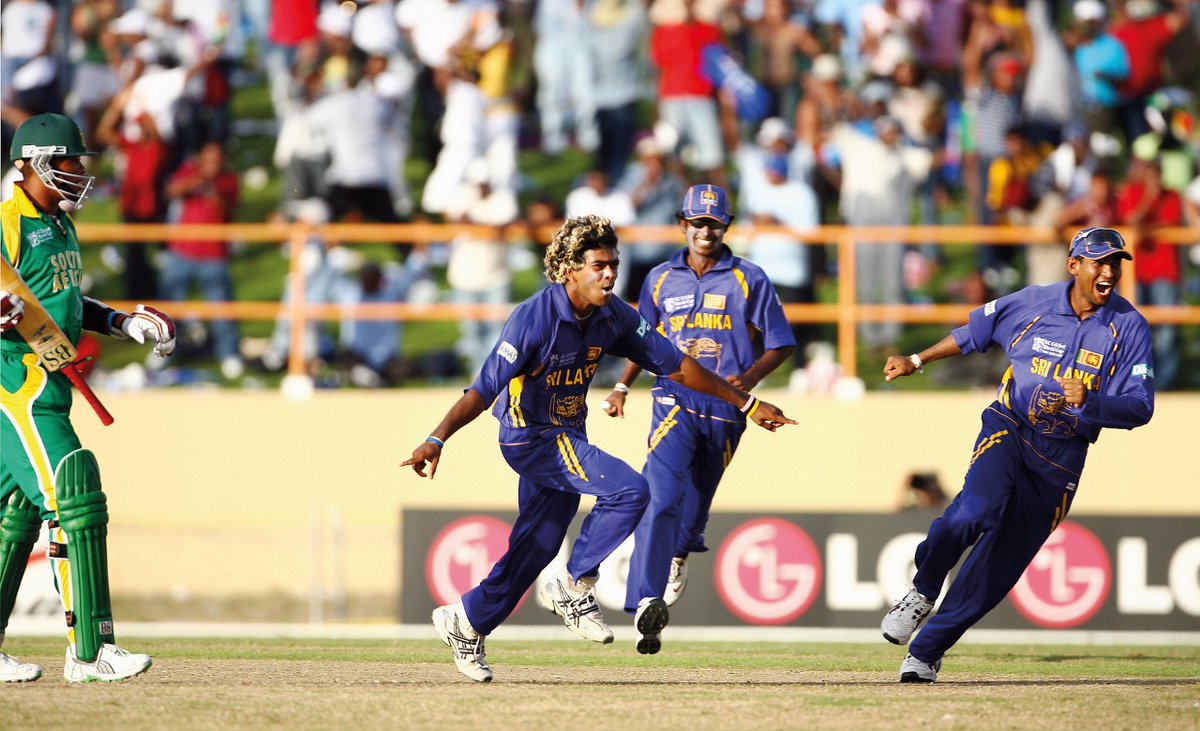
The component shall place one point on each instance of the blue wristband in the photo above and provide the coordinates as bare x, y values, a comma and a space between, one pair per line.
434, 440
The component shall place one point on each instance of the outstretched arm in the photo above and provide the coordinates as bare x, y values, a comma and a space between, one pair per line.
899, 365
698, 378
463, 412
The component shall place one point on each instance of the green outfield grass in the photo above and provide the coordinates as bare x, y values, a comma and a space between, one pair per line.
322, 684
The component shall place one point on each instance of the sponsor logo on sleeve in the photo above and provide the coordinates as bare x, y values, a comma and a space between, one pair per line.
1088, 358
1144, 370
714, 301
989, 309
507, 352
643, 327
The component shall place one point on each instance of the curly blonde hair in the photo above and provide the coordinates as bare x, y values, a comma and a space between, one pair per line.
576, 236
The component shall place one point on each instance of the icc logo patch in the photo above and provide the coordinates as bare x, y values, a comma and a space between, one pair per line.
1089, 359
714, 301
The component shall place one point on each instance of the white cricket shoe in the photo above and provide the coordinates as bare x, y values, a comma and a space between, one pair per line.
913, 670
576, 603
13, 670
456, 631
901, 622
676, 581
111, 663
651, 619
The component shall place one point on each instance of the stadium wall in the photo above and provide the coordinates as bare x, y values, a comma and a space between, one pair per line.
218, 492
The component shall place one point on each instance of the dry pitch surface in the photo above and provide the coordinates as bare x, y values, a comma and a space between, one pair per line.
307, 684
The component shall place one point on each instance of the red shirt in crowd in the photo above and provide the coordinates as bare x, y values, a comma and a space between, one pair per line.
145, 163
1145, 41
1153, 260
213, 203
292, 22
675, 50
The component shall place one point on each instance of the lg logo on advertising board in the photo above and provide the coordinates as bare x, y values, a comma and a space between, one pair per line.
462, 554
768, 572
1067, 582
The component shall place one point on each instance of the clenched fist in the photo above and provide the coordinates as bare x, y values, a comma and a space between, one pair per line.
149, 324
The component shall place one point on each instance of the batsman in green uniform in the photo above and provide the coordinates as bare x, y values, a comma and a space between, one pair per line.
45, 474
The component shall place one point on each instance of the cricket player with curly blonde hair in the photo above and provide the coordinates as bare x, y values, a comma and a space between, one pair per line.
536, 381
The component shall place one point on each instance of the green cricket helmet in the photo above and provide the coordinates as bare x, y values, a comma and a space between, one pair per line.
44, 137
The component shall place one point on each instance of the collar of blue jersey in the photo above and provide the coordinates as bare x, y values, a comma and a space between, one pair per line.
679, 259
1104, 314
562, 306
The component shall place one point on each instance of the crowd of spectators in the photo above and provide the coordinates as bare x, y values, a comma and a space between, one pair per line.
866, 112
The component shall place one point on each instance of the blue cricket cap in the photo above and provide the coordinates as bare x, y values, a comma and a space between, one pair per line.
1097, 243
706, 201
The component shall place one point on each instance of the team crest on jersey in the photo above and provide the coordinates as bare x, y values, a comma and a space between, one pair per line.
702, 348
39, 236
714, 301
594, 353
567, 407
1050, 410
1089, 359
507, 352
682, 302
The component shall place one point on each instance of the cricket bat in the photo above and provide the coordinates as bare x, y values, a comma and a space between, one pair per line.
48, 341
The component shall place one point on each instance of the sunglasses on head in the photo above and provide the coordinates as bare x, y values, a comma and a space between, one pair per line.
1100, 240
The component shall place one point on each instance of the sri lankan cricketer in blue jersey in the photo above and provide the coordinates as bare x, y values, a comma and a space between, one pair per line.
536, 380
712, 305
1080, 360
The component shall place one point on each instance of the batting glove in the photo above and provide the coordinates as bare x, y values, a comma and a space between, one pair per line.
147, 323
12, 309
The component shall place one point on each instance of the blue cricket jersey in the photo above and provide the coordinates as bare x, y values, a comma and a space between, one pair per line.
539, 372
710, 317
1044, 338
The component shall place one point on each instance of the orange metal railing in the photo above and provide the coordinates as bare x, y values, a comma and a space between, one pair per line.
846, 313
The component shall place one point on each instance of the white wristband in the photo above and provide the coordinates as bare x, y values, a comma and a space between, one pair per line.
621, 388
916, 361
